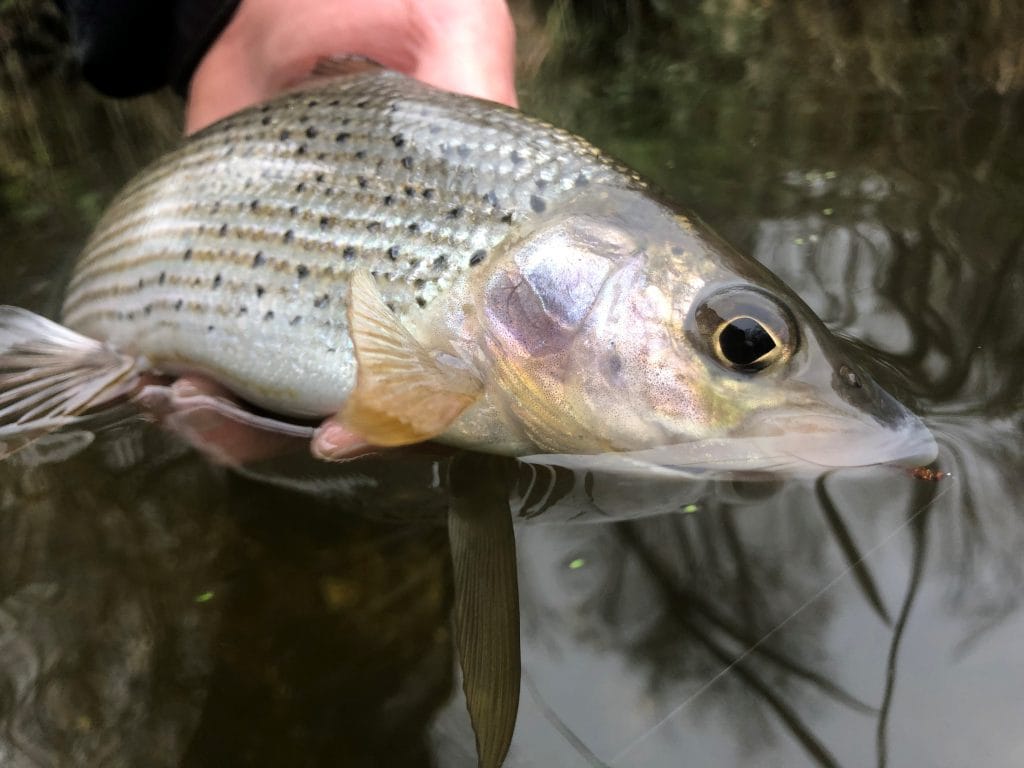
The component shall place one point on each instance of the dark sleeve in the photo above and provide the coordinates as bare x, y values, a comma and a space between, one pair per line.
131, 47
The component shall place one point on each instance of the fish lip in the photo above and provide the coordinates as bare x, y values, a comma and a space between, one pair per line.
842, 440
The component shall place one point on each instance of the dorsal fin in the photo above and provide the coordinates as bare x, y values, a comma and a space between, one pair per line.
338, 66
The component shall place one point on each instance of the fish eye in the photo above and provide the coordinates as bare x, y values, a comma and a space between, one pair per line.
744, 330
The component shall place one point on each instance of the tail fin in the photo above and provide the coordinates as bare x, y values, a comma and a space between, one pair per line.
49, 375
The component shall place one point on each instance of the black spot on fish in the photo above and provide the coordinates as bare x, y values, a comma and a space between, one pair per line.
187, 255
243, 310
349, 253
391, 306
677, 251
537, 203
142, 283
265, 108
148, 309
260, 290
284, 135
398, 140
300, 187
269, 315
414, 227
215, 207
131, 315
455, 212
373, 226
463, 151
223, 230
342, 136
361, 154
421, 301
322, 301
440, 261
311, 132
258, 260
265, 120
477, 257
162, 279
321, 155
541, 183
491, 199
288, 236
209, 328
410, 191
295, 320
362, 103
393, 253
407, 162
302, 271
361, 181
254, 205
319, 178
333, 102
301, 149
178, 305
614, 364
428, 194
329, 191
293, 211
388, 199
507, 218
312, 103
419, 283
581, 180
325, 222
515, 157
217, 281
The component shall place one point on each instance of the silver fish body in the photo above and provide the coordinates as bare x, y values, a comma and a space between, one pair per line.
231, 256
422, 265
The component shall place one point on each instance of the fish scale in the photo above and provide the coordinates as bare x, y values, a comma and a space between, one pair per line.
232, 255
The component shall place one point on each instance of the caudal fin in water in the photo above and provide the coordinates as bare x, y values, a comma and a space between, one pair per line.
50, 375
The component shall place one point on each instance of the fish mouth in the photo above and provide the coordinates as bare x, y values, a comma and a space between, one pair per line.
824, 442
787, 444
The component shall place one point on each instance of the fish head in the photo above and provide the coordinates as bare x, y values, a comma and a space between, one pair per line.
618, 325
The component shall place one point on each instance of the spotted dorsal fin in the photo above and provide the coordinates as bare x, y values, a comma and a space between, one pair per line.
340, 66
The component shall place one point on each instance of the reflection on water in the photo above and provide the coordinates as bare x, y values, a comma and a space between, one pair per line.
155, 610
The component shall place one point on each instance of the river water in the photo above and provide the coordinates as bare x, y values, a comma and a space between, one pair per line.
157, 610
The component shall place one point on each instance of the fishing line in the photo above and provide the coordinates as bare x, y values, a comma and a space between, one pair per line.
841, 575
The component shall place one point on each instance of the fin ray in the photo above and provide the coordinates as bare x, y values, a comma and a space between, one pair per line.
403, 395
50, 375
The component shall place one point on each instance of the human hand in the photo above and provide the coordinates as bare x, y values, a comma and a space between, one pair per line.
271, 45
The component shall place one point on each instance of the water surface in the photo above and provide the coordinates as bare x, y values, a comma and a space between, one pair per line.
156, 610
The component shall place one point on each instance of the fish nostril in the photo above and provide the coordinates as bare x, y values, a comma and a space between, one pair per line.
849, 376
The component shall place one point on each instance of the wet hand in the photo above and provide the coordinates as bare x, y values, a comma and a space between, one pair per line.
271, 45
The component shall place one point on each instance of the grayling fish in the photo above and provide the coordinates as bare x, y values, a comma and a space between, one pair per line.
422, 265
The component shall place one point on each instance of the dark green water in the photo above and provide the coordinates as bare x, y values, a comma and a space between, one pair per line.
158, 611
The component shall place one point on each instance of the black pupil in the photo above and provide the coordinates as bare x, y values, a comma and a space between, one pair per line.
744, 341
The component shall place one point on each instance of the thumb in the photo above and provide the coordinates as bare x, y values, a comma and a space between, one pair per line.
471, 52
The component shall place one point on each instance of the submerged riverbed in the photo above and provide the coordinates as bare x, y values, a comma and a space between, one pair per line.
156, 610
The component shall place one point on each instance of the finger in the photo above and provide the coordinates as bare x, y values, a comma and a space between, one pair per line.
467, 48
206, 416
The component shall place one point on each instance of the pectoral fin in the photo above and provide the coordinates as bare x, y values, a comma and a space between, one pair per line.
403, 394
